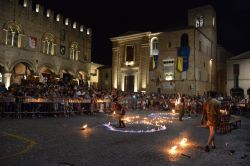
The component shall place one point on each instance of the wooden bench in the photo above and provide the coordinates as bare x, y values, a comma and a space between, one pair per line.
234, 122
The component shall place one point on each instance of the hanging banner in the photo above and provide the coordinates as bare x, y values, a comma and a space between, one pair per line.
179, 63
155, 61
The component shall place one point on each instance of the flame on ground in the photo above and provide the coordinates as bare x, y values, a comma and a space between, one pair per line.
173, 150
183, 142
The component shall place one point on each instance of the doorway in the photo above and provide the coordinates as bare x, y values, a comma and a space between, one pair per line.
129, 83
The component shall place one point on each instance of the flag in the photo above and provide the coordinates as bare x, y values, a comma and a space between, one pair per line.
180, 63
32, 42
155, 61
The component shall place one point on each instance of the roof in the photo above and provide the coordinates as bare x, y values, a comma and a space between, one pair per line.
244, 55
130, 33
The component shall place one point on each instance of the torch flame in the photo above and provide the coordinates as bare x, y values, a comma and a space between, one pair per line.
173, 150
183, 142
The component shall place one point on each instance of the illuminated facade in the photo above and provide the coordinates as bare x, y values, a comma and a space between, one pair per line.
37, 41
238, 66
181, 60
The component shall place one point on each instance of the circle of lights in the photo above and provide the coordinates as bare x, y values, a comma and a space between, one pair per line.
159, 120
112, 128
168, 116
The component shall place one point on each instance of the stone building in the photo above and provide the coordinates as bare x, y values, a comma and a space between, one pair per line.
238, 76
178, 60
36, 41
105, 78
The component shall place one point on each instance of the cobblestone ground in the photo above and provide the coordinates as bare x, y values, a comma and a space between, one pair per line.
54, 141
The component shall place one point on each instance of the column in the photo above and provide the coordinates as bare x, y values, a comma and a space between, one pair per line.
7, 77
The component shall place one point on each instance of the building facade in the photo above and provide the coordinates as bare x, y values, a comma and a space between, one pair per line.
180, 60
238, 75
105, 78
36, 41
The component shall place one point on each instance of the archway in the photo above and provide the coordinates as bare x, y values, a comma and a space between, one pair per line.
83, 78
47, 75
21, 72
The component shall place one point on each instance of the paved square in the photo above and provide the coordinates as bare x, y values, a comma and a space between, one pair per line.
51, 141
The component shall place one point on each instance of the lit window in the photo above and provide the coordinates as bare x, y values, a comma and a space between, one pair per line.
88, 31
74, 51
66, 21
48, 44
37, 8
168, 69
48, 13
197, 23
25, 4
154, 46
58, 17
13, 35
74, 25
81, 28
201, 21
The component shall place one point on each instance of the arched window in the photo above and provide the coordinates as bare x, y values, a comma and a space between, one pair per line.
48, 44
154, 46
13, 34
199, 21
74, 51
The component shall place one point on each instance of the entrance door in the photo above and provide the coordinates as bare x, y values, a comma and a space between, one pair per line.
129, 83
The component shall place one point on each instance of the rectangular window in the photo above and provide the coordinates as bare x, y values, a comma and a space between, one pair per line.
168, 69
199, 78
236, 69
199, 45
130, 53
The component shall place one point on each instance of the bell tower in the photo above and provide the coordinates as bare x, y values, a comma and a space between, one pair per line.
204, 19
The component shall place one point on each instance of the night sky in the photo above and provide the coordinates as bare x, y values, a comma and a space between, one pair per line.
110, 18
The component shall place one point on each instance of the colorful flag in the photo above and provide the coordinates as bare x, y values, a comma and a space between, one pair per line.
32, 42
180, 63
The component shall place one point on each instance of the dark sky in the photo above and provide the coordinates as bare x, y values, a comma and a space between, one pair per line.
109, 18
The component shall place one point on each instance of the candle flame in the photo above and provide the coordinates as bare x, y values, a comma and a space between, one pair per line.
183, 142
114, 113
173, 111
173, 150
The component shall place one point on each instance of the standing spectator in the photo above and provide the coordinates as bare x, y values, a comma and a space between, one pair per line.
212, 111
181, 108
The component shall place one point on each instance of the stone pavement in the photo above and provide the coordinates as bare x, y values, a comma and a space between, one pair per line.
54, 141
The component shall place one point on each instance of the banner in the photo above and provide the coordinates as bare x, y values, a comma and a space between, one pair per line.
182, 58
179, 63
32, 42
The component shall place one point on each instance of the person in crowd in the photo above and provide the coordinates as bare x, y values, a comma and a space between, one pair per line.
181, 108
122, 115
212, 110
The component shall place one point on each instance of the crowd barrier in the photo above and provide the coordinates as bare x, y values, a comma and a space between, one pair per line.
27, 106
